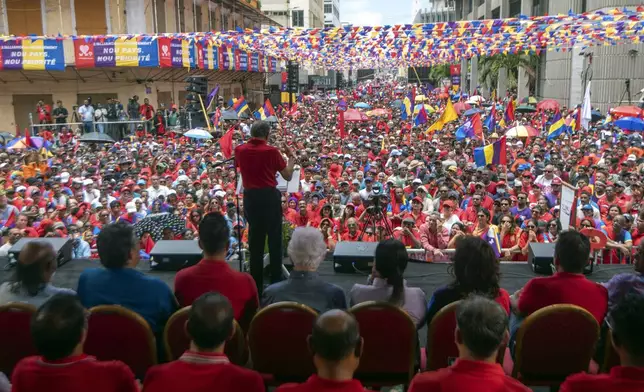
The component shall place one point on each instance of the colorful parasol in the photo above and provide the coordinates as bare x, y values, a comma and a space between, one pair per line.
522, 131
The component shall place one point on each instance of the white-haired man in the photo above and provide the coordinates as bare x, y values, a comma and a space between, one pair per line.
307, 250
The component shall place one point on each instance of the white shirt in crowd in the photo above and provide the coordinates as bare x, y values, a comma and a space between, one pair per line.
154, 193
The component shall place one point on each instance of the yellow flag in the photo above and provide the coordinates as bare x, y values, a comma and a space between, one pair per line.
449, 114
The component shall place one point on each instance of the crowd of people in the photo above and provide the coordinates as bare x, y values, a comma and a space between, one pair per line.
384, 179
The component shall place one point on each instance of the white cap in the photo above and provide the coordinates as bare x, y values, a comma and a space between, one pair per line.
77, 180
21, 188
183, 177
130, 207
631, 157
220, 194
88, 181
64, 177
217, 188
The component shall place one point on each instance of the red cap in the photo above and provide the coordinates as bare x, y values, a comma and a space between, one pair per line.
448, 203
556, 181
418, 199
61, 207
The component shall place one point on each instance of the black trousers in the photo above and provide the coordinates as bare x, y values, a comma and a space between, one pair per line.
263, 211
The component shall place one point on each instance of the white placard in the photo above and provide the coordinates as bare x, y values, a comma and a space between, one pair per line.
567, 203
292, 186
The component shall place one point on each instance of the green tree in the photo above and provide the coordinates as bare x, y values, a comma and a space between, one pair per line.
489, 67
438, 73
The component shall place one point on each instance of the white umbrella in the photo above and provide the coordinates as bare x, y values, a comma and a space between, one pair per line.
198, 133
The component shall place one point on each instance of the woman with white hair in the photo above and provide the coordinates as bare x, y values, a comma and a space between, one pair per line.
306, 249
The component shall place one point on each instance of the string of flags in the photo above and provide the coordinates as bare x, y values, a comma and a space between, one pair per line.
349, 46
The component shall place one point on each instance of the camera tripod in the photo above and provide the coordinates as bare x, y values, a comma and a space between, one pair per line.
374, 217
626, 92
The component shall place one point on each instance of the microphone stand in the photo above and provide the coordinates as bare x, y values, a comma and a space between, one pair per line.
238, 211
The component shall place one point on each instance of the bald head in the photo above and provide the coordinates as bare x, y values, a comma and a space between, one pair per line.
210, 322
335, 335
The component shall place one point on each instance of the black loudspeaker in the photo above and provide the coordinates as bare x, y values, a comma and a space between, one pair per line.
352, 256
62, 247
541, 257
174, 255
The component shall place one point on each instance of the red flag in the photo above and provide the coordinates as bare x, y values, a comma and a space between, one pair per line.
477, 125
341, 124
11, 220
293, 109
27, 138
578, 119
226, 143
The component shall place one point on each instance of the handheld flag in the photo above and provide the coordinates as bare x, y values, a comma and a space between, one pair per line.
509, 113
226, 143
268, 108
585, 113
421, 117
492, 154
260, 114
449, 114
492, 238
557, 128
240, 105
211, 97
477, 126
490, 121
405, 109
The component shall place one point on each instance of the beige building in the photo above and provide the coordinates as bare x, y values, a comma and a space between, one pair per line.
562, 75
23, 89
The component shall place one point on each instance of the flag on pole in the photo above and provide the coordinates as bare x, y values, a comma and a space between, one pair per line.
509, 113
226, 143
492, 154
268, 108
448, 115
421, 117
557, 128
490, 121
211, 97
240, 105
405, 109
586, 110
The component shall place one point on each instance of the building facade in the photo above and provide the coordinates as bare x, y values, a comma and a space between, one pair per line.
163, 87
295, 13
436, 11
331, 13
563, 75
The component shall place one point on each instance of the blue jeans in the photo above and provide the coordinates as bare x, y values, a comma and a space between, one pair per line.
87, 126
515, 324
100, 127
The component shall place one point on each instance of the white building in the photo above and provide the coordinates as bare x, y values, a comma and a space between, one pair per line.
331, 13
303, 13
432, 11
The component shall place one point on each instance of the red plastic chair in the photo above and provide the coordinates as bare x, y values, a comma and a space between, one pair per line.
176, 340
441, 347
277, 340
15, 335
553, 343
117, 333
390, 344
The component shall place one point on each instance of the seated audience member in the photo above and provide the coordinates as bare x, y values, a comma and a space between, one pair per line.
626, 323
481, 328
568, 285
388, 283
14, 236
214, 274
32, 282
120, 283
336, 346
204, 366
621, 284
476, 270
59, 329
307, 250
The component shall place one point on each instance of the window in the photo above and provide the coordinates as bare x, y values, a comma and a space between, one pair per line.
298, 18
90, 18
159, 16
198, 18
224, 22
328, 8
181, 16
24, 17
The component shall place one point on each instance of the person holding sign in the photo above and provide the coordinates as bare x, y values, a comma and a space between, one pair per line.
259, 164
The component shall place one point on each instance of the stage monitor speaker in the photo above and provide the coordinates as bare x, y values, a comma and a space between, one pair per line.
62, 247
174, 255
351, 256
541, 257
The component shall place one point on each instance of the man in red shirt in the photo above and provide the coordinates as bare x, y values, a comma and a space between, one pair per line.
568, 285
259, 163
336, 346
59, 329
352, 233
204, 366
481, 328
626, 324
214, 274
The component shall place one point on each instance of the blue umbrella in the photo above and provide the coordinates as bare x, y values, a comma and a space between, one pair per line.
362, 105
397, 103
198, 134
630, 123
471, 112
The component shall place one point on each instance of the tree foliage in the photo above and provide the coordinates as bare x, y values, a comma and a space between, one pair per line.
489, 66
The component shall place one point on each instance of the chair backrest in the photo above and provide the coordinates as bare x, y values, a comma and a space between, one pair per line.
117, 333
390, 344
555, 342
15, 335
441, 348
277, 341
176, 340
611, 359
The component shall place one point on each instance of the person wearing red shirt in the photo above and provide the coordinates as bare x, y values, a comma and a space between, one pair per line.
214, 274
416, 213
204, 366
352, 233
481, 328
258, 164
303, 217
288, 214
59, 330
336, 346
568, 285
626, 325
